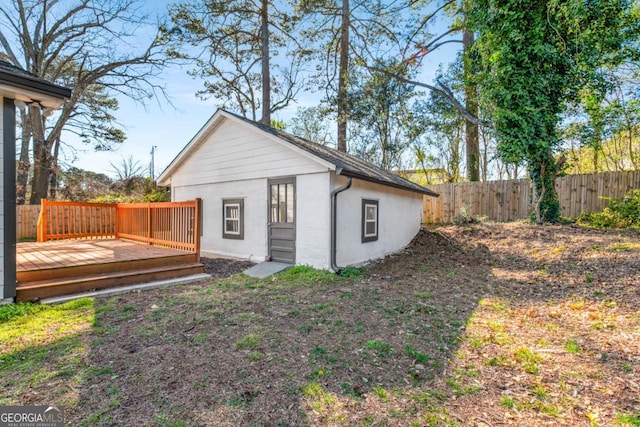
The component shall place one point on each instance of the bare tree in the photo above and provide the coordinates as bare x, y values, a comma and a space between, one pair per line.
24, 163
127, 168
91, 47
343, 74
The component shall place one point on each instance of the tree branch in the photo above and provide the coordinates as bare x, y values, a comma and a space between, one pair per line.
442, 90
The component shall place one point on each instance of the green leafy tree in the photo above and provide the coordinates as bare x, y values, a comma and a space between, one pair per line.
231, 44
603, 129
129, 185
347, 33
385, 123
535, 55
312, 123
135, 189
80, 185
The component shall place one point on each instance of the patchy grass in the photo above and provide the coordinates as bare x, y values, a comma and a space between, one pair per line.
624, 246
632, 420
483, 325
572, 346
248, 342
21, 309
305, 275
45, 347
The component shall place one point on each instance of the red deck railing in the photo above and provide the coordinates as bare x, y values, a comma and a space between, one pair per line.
169, 224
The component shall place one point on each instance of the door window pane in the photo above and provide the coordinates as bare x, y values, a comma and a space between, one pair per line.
290, 203
282, 203
274, 203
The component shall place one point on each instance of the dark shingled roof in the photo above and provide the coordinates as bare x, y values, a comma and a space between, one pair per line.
345, 164
17, 77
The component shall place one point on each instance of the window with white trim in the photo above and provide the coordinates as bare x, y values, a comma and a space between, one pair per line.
369, 220
233, 219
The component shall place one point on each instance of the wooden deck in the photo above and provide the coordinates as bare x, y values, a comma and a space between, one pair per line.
61, 267
72, 253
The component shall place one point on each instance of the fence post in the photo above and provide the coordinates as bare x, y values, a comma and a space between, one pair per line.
150, 225
116, 229
42, 222
197, 217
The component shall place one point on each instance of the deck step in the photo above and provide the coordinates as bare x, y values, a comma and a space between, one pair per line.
36, 290
100, 267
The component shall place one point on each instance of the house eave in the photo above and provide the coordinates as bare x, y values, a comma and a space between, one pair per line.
21, 85
352, 174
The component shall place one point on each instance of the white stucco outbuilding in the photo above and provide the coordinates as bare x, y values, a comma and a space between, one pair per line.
17, 87
268, 195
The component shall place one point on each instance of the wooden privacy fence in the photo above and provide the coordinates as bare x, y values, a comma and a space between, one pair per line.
513, 199
26, 221
169, 224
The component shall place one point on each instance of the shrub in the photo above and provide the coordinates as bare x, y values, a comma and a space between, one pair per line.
621, 213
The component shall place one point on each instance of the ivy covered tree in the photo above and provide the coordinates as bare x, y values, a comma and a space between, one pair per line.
535, 56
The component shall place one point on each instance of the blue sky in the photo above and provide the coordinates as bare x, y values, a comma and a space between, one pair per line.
170, 128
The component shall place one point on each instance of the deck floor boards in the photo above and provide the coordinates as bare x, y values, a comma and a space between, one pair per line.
69, 253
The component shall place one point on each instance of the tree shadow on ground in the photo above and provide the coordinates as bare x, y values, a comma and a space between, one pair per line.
557, 342
431, 335
248, 352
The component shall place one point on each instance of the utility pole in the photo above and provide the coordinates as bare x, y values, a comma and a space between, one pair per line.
152, 173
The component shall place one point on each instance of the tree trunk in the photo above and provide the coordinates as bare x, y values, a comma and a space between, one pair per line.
485, 157
472, 138
22, 172
266, 75
41, 167
543, 173
342, 77
53, 182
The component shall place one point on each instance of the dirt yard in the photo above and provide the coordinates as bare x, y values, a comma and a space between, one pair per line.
220, 268
482, 325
